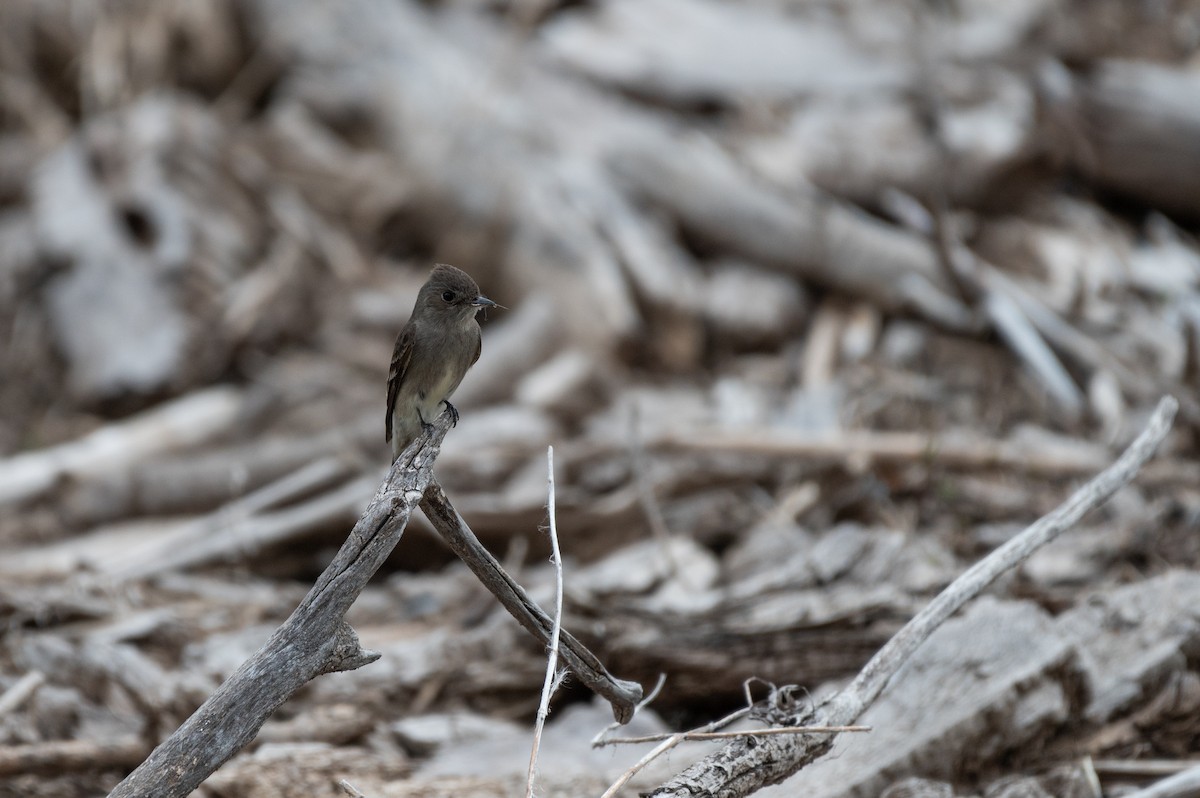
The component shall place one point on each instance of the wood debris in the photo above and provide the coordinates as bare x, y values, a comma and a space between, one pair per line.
817, 304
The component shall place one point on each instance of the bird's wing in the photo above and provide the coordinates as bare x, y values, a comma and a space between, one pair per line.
401, 357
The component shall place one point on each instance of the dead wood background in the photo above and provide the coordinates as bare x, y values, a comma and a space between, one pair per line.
816, 301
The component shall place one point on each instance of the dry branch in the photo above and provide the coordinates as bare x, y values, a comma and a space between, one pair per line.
744, 766
730, 735
1006, 317
1141, 767
717, 53
623, 696
315, 640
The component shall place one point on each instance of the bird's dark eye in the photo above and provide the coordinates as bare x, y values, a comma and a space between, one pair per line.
448, 296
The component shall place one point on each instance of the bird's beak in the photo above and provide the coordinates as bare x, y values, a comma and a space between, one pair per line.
483, 302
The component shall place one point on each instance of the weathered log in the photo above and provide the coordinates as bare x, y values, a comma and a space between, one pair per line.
1131, 127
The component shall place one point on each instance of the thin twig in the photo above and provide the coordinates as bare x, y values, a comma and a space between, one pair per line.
600, 740
654, 753
672, 740
351, 790
669, 741
550, 683
729, 735
20, 690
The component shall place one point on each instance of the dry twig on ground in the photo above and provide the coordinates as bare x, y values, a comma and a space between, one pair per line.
744, 766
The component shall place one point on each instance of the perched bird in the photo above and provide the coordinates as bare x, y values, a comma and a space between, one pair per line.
434, 350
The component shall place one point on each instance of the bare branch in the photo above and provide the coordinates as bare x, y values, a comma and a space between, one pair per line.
314, 640
623, 696
672, 740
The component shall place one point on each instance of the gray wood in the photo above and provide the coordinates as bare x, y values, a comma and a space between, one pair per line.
624, 696
314, 640
1131, 127
996, 677
1129, 637
748, 764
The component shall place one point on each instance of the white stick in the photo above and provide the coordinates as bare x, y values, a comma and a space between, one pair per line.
22, 689
350, 789
550, 683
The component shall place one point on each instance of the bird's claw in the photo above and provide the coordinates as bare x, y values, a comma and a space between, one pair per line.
426, 427
453, 413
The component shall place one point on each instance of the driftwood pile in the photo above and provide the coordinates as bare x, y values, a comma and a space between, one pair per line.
818, 303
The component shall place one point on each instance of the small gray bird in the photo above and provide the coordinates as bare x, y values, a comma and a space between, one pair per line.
434, 350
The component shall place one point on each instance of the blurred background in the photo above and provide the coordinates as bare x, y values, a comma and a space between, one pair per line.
817, 301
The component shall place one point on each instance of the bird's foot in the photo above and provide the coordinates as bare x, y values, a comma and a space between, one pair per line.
425, 425
453, 412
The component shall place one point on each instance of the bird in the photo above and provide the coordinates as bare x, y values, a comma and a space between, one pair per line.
433, 351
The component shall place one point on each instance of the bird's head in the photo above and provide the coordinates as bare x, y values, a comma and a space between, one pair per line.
452, 292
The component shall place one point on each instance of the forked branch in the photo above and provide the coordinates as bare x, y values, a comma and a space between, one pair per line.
316, 639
